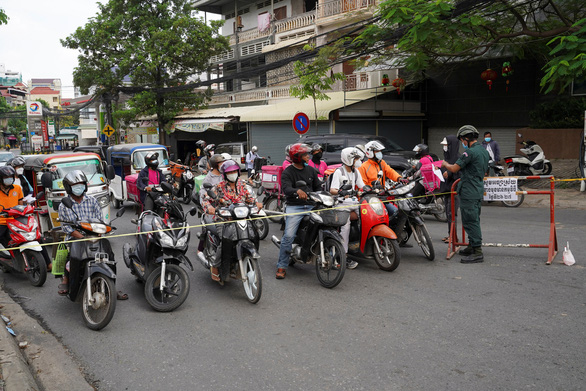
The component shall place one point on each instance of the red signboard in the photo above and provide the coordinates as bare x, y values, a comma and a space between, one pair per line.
45, 133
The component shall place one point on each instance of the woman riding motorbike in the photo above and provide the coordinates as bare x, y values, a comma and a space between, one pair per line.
149, 177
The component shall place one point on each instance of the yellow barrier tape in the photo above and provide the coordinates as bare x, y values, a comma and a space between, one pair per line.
94, 238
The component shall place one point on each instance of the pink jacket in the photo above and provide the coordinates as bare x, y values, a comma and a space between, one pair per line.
321, 168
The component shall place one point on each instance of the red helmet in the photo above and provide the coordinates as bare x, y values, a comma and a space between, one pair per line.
297, 151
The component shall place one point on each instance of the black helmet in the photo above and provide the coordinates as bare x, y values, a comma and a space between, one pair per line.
152, 160
209, 149
7, 171
216, 160
72, 178
16, 161
468, 132
421, 150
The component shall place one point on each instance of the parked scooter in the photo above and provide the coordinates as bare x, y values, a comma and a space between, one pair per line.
318, 240
156, 259
534, 163
409, 218
497, 170
236, 240
24, 233
96, 276
370, 235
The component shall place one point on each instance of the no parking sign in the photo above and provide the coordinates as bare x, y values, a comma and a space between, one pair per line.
301, 123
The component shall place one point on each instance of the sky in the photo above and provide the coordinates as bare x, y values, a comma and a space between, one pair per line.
30, 42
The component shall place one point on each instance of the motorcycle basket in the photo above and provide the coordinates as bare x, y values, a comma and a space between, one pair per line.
334, 217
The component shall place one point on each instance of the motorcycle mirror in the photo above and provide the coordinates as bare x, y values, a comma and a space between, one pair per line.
167, 187
110, 172
300, 184
47, 180
67, 202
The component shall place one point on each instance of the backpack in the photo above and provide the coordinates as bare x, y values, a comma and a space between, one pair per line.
329, 178
430, 181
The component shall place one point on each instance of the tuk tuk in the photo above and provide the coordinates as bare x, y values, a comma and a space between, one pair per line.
128, 161
56, 166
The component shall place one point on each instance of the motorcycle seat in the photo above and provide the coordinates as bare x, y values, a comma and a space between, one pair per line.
147, 223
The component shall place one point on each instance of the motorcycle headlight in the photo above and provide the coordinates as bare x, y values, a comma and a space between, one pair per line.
377, 206
325, 199
188, 175
103, 201
29, 236
182, 241
97, 228
165, 239
225, 213
241, 212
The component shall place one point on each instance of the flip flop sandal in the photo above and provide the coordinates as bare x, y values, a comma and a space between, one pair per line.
63, 289
215, 277
446, 239
121, 296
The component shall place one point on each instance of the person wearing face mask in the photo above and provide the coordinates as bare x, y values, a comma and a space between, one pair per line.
149, 177
231, 190
316, 162
18, 164
472, 165
350, 162
451, 147
10, 196
84, 207
492, 147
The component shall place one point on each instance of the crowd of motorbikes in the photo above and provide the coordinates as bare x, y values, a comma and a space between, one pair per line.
159, 255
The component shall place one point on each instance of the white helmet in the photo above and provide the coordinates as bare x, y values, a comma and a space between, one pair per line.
372, 147
348, 155
361, 151
254, 148
226, 156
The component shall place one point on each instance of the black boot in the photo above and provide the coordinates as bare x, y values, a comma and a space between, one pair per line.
466, 251
475, 257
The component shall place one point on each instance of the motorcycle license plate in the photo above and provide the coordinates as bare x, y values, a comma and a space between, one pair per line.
101, 257
510, 170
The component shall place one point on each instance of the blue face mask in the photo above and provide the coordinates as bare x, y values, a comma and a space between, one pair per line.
78, 189
8, 181
378, 155
487, 139
464, 145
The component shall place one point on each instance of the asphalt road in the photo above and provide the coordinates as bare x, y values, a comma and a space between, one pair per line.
509, 323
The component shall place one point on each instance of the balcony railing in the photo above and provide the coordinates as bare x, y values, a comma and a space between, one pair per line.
248, 96
295, 22
338, 7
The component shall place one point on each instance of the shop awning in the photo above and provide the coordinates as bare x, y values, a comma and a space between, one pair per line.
198, 125
66, 137
11, 138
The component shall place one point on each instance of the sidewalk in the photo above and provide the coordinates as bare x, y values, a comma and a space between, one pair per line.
42, 363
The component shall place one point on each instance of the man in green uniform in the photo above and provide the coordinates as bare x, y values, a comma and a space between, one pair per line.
473, 164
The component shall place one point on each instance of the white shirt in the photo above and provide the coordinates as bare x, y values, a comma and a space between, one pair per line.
353, 177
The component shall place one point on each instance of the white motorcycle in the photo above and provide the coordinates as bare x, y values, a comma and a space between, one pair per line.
534, 163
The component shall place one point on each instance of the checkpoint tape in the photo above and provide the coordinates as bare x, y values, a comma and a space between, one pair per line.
94, 238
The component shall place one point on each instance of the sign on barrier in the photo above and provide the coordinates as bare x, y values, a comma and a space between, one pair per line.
500, 189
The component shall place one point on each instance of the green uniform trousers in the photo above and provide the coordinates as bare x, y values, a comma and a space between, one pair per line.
470, 212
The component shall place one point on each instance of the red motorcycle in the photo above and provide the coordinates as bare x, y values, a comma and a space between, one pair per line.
370, 235
24, 233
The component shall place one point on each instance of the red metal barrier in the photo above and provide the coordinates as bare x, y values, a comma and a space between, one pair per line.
552, 246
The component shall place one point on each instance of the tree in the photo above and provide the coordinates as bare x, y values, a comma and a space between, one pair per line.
3, 17
423, 34
156, 44
313, 76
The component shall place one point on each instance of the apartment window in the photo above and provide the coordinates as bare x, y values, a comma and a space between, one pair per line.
281, 13
54, 99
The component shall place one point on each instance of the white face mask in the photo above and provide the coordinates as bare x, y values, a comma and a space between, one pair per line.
232, 177
445, 148
357, 163
378, 155
20, 171
8, 181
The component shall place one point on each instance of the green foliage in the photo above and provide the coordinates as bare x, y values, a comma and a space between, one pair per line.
424, 34
157, 44
316, 76
3, 17
559, 113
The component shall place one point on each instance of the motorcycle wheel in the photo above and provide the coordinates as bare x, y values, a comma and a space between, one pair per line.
391, 254
272, 204
547, 167
117, 204
253, 283
332, 273
442, 216
262, 227
187, 195
175, 293
426, 244
103, 290
514, 204
37, 268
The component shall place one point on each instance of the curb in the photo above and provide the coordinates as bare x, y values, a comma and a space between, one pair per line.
45, 364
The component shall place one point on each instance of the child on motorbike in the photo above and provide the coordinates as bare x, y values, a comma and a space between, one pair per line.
350, 162
229, 191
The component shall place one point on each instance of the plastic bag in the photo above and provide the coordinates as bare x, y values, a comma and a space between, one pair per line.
568, 257
60, 260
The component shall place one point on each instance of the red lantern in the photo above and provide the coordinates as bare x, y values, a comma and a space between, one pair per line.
489, 75
399, 83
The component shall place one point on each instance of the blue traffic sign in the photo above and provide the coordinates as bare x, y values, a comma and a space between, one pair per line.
301, 123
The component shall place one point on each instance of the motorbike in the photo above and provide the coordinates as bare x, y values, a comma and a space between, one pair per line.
95, 279
24, 233
533, 163
429, 202
161, 243
409, 220
236, 240
262, 224
318, 240
370, 235
498, 170
185, 184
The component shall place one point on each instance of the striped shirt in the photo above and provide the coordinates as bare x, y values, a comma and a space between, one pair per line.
88, 208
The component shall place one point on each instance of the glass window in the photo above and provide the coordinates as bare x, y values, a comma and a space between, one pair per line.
4, 157
390, 146
91, 168
333, 145
138, 157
